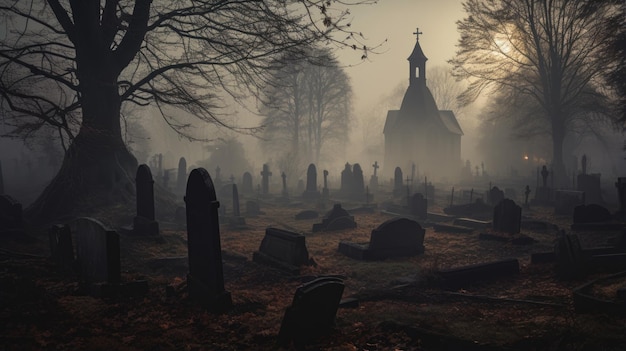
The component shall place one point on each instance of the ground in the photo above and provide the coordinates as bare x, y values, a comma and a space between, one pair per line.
401, 305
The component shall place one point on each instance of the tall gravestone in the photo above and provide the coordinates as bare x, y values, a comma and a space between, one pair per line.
507, 217
246, 184
205, 280
144, 222
311, 183
182, 175
358, 184
325, 192
97, 252
346, 179
418, 206
265, 180
374, 178
590, 184
398, 189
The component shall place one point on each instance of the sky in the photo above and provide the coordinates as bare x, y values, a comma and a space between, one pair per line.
395, 21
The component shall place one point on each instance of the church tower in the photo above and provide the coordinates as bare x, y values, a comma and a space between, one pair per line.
419, 133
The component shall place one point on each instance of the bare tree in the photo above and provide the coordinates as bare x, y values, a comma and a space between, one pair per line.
546, 51
73, 64
308, 106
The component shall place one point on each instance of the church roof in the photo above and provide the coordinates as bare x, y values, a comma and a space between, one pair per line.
417, 53
392, 118
450, 121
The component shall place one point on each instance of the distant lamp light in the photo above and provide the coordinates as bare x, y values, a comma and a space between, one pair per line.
526, 157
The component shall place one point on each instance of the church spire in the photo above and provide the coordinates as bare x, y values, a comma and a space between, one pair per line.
417, 63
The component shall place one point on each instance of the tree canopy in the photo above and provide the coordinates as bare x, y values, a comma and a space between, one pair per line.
550, 53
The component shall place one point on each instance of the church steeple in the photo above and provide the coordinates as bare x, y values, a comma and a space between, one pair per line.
417, 63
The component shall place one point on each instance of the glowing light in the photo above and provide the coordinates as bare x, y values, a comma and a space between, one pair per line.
526, 157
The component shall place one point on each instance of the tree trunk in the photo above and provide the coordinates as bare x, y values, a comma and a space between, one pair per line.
97, 170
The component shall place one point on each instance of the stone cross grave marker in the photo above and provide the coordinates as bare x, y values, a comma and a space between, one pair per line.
312, 312
205, 280
144, 222
265, 180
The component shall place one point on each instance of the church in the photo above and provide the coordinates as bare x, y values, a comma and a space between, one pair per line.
419, 133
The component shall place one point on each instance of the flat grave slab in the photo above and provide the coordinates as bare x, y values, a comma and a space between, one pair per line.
451, 228
462, 276
472, 223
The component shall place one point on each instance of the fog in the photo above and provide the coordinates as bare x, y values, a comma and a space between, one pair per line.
374, 81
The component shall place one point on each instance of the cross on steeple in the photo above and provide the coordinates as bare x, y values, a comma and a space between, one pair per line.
417, 33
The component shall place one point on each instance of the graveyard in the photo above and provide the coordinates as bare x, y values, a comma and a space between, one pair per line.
325, 271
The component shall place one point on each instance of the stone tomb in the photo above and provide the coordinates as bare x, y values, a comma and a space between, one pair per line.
397, 237
10, 214
335, 219
312, 312
507, 217
307, 214
569, 257
205, 280
282, 249
144, 223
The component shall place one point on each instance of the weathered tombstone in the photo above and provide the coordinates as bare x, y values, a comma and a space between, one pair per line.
205, 280
358, 183
397, 237
97, 252
246, 184
181, 178
236, 220
590, 184
144, 223
418, 206
398, 189
569, 259
265, 180
61, 248
507, 217
284, 192
374, 178
526, 193
347, 180
325, 189
312, 312
592, 213
11, 218
311, 184
282, 249
495, 196
543, 193
335, 219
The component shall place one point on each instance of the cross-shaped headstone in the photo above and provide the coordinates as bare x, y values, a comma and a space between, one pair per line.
417, 33
376, 166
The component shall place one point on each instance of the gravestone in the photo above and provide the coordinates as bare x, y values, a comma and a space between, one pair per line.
97, 252
182, 175
418, 206
347, 180
590, 184
460, 277
284, 192
205, 280
335, 219
358, 183
325, 189
246, 184
144, 223
507, 217
312, 312
236, 220
396, 237
543, 194
592, 213
311, 184
569, 258
495, 196
283, 249
374, 178
61, 247
11, 218
398, 189
265, 180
